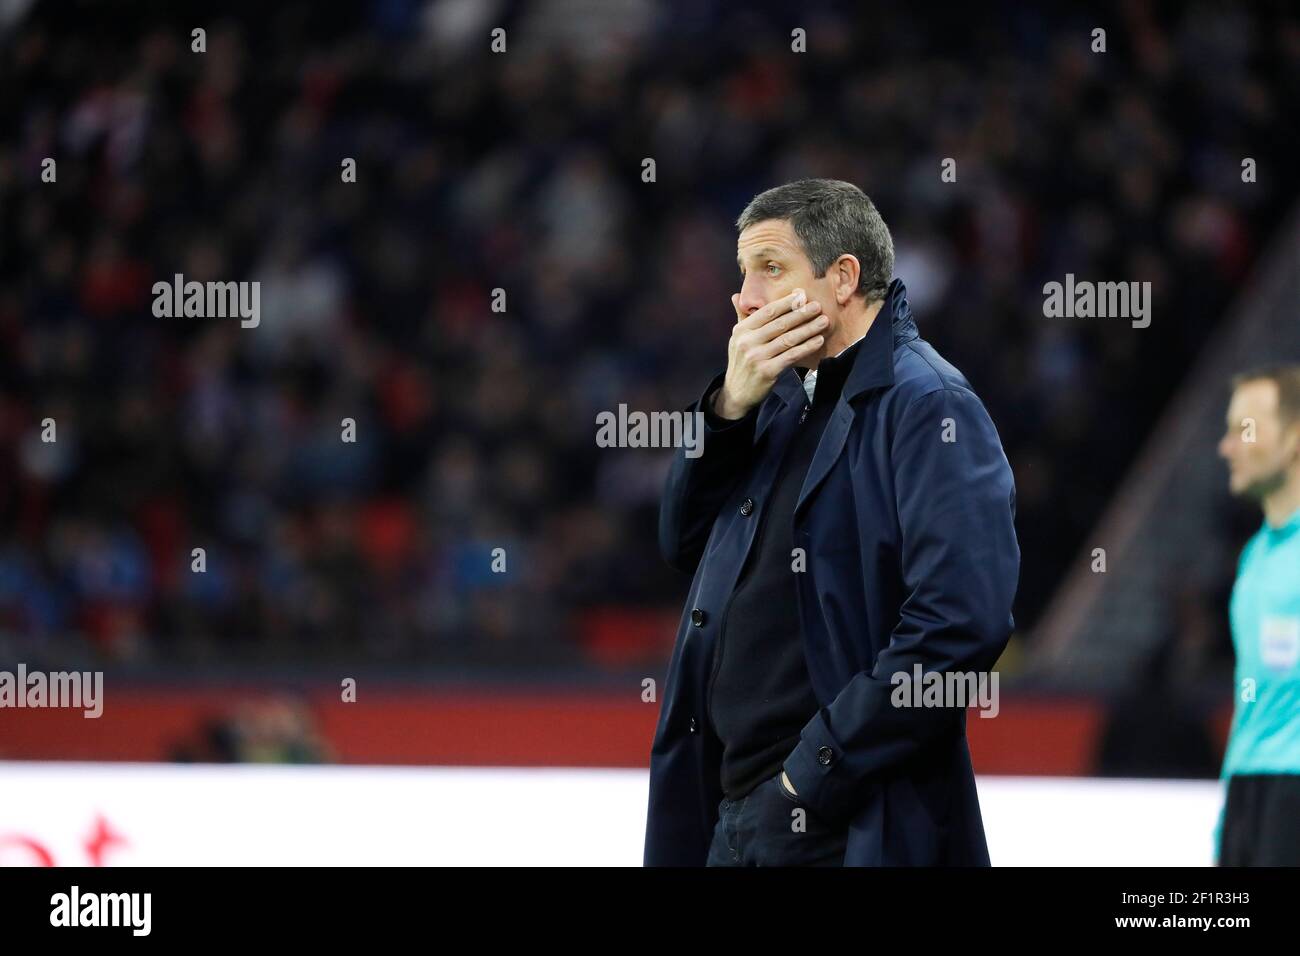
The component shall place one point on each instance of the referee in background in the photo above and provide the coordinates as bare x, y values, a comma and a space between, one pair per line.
1259, 824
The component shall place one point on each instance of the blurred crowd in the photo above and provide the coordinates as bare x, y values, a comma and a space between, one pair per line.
522, 171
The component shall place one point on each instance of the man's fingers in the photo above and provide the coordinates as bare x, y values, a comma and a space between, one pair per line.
783, 324
770, 311
790, 356
797, 335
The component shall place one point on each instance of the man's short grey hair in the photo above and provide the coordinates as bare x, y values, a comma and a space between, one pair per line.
831, 217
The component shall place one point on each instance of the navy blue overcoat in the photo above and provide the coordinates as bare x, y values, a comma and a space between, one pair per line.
906, 524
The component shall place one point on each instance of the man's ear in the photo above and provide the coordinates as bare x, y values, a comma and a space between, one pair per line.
847, 274
1291, 442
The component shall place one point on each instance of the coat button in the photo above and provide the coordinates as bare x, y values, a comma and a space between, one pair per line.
747, 507
697, 617
692, 725
824, 756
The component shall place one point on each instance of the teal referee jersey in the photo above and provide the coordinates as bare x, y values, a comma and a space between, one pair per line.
1265, 618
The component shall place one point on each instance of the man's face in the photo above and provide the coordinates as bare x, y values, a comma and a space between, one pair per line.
773, 264
1259, 467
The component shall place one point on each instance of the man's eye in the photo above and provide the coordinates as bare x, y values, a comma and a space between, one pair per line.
773, 268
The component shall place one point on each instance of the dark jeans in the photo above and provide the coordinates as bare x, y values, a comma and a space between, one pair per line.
1261, 821
769, 827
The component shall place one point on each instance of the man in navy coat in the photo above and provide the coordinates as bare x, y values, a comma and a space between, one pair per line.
849, 522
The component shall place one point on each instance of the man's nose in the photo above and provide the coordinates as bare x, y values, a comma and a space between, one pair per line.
751, 297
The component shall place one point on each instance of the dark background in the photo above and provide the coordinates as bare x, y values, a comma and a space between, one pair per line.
522, 171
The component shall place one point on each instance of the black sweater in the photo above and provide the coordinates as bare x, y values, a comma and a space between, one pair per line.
760, 696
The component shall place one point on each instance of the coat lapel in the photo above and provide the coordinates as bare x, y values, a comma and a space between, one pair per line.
828, 450
789, 392
873, 367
